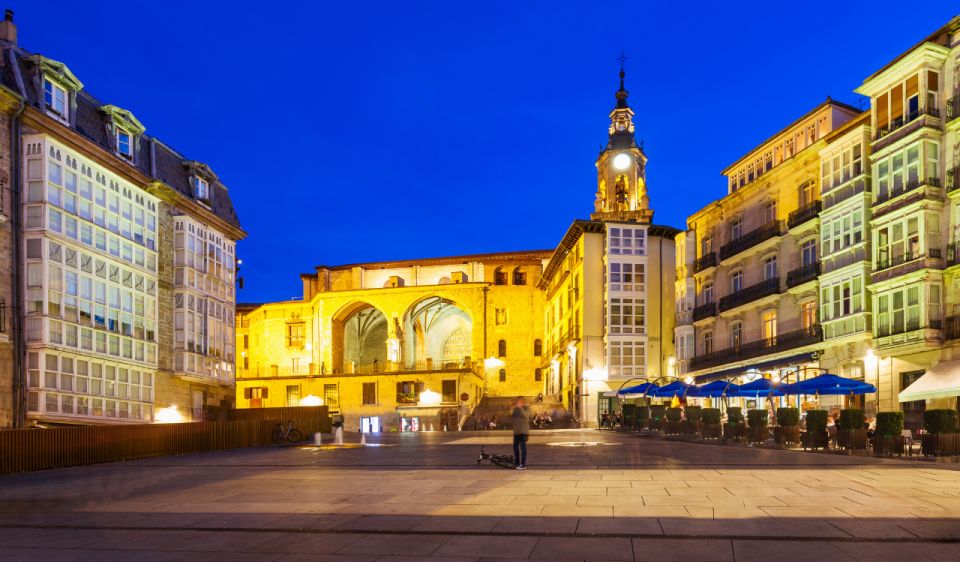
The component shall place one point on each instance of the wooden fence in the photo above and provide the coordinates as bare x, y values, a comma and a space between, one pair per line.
23, 450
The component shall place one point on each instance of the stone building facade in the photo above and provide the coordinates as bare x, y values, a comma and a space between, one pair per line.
94, 270
869, 246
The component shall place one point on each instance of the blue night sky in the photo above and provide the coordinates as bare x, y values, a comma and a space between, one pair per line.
363, 131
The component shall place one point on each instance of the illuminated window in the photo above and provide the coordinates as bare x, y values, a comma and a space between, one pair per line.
768, 323
55, 98
808, 315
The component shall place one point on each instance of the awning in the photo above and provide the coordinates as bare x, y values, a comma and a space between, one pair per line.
942, 381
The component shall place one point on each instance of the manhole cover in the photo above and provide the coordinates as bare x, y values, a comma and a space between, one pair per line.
579, 444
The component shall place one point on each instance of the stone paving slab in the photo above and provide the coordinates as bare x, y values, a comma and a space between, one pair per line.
423, 496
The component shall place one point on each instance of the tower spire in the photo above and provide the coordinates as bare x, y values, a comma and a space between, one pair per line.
622, 92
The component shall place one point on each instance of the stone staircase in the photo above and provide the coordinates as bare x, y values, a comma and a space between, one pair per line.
502, 407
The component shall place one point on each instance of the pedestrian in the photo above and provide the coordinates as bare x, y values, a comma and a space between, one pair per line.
521, 431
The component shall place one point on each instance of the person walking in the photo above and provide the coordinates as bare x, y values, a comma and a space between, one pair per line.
521, 431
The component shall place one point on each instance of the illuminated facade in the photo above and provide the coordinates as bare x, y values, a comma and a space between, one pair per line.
97, 261
859, 210
404, 345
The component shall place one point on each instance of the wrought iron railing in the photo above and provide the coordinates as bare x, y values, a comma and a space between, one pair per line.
707, 310
705, 261
901, 121
889, 262
952, 327
953, 178
749, 350
803, 214
753, 292
895, 192
770, 230
953, 107
803, 274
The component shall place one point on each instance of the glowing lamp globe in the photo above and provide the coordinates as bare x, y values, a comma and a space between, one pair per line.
621, 161
311, 400
430, 398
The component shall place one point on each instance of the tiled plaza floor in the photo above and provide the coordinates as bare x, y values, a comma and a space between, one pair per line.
423, 496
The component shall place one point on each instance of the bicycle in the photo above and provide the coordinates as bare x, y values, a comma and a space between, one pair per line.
287, 434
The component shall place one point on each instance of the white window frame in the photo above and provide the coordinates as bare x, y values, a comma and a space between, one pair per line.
55, 89
128, 153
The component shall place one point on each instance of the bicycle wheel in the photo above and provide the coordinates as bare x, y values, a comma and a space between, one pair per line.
295, 436
278, 435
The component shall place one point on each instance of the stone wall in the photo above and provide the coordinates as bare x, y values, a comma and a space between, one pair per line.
9, 309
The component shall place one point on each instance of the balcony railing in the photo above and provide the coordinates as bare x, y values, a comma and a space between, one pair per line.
705, 261
953, 108
770, 230
894, 261
899, 122
802, 274
749, 350
953, 254
952, 327
705, 311
906, 188
837, 196
803, 214
953, 178
753, 292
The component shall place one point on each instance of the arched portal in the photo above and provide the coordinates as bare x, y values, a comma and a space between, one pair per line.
360, 339
436, 332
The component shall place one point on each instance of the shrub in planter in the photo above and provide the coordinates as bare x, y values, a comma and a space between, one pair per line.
657, 414
888, 438
788, 426
816, 435
643, 413
756, 426
711, 428
735, 428
941, 438
890, 424
734, 416
940, 421
629, 415
851, 419
691, 423
851, 433
711, 416
673, 421
788, 417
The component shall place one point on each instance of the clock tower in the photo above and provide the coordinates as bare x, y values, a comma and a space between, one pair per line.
621, 170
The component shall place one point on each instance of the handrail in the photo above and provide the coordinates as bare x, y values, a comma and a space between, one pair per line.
770, 230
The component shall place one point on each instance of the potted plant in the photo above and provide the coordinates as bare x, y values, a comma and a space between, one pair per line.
815, 437
940, 437
629, 416
657, 414
673, 421
888, 437
756, 426
787, 431
851, 433
735, 428
710, 427
692, 423
643, 416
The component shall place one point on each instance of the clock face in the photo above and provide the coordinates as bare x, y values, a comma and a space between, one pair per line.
622, 161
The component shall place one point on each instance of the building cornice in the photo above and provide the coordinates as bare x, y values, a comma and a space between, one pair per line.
929, 55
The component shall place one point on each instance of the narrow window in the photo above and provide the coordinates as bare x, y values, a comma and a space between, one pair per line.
502, 348
537, 348
503, 375
124, 144
55, 98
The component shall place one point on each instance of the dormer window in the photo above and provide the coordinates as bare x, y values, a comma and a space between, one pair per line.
124, 143
55, 97
201, 189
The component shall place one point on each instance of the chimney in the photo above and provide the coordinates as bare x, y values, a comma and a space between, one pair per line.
8, 31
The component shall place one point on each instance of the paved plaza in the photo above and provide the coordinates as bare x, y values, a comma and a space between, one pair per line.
422, 496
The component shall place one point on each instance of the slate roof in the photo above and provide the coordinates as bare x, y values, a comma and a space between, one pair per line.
154, 158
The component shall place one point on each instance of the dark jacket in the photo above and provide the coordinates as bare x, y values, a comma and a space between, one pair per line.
521, 421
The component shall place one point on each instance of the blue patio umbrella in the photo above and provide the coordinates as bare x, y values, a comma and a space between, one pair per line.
828, 384
637, 389
715, 389
676, 388
760, 388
